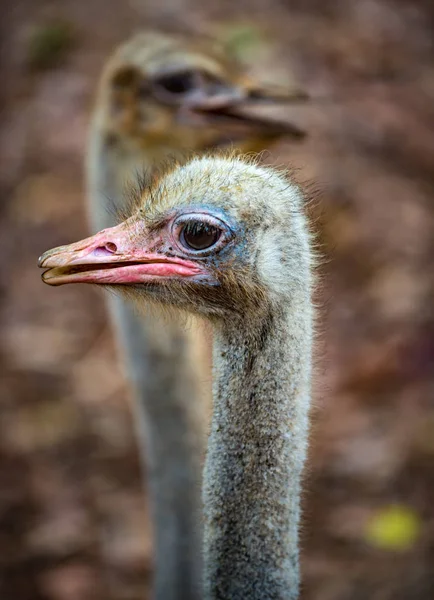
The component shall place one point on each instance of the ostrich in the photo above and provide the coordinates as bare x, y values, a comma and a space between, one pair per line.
159, 96
226, 239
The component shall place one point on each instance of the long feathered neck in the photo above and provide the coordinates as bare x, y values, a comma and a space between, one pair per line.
256, 452
169, 411
111, 165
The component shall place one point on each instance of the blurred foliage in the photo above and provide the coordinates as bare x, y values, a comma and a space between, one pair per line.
49, 44
244, 41
395, 527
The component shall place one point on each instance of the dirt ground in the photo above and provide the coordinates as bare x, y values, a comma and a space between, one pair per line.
73, 519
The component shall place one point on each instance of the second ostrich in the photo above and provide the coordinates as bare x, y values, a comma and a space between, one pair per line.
227, 240
161, 95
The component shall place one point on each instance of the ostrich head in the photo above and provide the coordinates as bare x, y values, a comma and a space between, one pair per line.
175, 93
219, 236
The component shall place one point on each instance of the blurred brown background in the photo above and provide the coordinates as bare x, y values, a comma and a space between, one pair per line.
73, 521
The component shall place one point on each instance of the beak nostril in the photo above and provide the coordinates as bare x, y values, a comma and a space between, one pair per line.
108, 248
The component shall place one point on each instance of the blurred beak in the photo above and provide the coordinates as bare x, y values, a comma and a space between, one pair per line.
275, 94
111, 258
238, 110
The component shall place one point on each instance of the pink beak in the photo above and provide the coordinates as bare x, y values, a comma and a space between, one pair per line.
112, 257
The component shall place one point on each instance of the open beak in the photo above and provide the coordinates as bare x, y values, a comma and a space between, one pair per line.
240, 112
111, 258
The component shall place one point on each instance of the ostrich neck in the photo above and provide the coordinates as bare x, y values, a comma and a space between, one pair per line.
159, 355
111, 165
256, 452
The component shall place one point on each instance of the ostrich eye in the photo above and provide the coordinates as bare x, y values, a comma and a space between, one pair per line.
177, 83
198, 235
